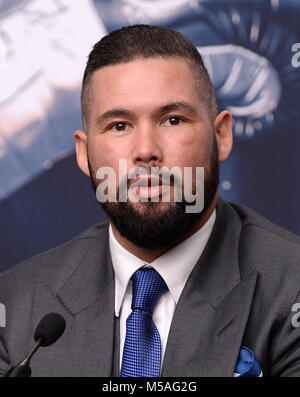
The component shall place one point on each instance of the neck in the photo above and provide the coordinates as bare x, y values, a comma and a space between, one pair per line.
149, 255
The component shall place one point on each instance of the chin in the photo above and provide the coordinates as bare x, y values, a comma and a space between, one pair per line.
147, 207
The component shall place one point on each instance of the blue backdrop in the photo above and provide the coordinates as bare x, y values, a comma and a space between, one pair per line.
247, 48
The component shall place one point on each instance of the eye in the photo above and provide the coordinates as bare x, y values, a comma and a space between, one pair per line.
118, 126
173, 120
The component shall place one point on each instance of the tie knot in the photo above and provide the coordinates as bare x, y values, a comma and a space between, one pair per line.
148, 286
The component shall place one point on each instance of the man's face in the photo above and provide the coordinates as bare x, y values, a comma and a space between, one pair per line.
158, 119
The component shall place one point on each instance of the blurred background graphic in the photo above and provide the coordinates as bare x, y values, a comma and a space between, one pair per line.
247, 48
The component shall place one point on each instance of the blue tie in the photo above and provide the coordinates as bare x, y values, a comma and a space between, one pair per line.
142, 348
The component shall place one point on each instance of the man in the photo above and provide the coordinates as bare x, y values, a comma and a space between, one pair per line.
157, 290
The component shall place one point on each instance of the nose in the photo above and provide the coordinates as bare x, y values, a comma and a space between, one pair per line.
147, 146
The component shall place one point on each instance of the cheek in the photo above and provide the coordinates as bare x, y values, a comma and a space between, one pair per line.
191, 149
107, 154
104, 154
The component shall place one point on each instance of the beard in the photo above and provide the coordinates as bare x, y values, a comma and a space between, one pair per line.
154, 227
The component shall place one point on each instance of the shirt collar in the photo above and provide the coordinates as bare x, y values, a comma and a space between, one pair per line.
174, 266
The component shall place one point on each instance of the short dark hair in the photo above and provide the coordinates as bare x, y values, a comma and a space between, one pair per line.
146, 41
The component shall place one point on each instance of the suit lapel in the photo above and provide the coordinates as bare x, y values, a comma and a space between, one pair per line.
86, 300
211, 315
224, 341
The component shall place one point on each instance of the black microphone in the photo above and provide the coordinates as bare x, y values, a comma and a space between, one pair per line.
50, 328
48, 331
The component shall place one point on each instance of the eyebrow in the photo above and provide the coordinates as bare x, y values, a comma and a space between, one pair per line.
177, 106
120, 112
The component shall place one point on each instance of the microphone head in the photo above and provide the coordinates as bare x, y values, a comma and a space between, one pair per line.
50, 328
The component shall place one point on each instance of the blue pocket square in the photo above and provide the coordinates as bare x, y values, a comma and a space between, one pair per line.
247, 366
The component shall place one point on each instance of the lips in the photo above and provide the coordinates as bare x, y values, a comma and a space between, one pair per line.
150, 186
148, 181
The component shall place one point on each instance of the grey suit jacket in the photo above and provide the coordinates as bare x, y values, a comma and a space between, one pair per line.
240, 293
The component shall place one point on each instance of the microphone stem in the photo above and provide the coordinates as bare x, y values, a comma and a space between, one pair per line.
27, 359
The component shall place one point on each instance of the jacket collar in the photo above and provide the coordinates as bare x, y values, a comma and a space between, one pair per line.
92, 277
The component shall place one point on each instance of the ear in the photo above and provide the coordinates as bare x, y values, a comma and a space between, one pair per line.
80, 138
223, 128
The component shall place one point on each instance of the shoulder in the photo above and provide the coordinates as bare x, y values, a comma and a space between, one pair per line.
268, 248
259, 225
56, 264
265, 237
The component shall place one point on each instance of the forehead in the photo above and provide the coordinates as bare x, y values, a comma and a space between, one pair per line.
143, 82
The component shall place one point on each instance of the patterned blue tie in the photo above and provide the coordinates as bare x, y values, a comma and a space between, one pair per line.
142, 348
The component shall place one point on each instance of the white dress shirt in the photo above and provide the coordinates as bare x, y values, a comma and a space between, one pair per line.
174, 266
